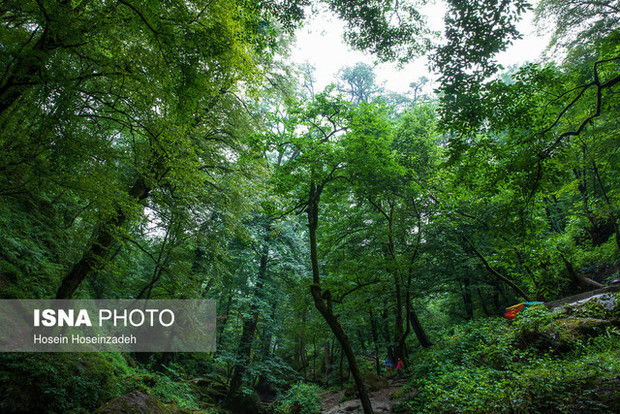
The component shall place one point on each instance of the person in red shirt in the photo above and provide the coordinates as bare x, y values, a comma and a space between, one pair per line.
399, 368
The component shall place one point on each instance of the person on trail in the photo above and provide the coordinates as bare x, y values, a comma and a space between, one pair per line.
388, 368
399, 368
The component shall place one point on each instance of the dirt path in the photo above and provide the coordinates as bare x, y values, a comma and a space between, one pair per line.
330, 399
381, 401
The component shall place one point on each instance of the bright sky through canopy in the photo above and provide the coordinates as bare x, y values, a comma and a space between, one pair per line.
321, 44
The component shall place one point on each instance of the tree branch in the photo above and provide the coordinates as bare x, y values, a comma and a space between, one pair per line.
494, 272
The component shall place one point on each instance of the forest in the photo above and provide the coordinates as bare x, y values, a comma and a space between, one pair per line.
168, 149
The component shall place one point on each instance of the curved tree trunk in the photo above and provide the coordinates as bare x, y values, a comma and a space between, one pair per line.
322, 299
414, 322
418, 330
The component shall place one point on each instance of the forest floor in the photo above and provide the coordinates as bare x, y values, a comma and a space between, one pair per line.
382, 400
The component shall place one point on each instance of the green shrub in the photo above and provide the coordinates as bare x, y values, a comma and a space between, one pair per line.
181, 393
170, 386
495, 366
81, 382
59, 382
300, 399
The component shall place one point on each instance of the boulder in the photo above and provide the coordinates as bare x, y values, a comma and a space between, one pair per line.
134, 403
566, 331
562, 334
373, 383
578, 328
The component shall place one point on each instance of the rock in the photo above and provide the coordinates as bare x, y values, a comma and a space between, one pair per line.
562, 334
583, 326
399, 394
210, 390
373, 383
606, 301
355, 407
134, 403
582, 297
382, 407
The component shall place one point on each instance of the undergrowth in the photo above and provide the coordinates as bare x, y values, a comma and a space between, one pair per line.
540, 363
81, 382
302, 398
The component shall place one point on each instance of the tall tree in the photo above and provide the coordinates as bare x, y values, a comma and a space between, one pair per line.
314, 162
358, 82
107, 97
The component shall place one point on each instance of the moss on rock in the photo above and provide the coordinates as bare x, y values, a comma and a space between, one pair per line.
135, 402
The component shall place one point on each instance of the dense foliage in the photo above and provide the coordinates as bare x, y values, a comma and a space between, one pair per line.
155, 149
539, 363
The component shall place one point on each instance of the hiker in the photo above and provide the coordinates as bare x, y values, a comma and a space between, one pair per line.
399, 368
388, 368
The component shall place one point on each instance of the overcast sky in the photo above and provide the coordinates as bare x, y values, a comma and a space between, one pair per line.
320, 43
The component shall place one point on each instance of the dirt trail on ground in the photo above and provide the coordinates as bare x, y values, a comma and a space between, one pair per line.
381, 401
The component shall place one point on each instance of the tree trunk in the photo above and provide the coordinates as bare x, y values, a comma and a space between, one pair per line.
483, 303
375, 340
314, 358
385, 333
469, 308
341, 370
27, 68
160, 265
244, 351
579, 277
400, 334
326, 361
401, 344
302, 342
100, 246
223, 320
495, 273
400, 327
399, 331
322, 300
417, 327
612, 217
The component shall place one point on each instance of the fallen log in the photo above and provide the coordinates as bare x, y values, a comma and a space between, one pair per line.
582, 296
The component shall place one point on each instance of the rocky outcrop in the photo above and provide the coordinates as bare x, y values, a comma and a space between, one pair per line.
137, 402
